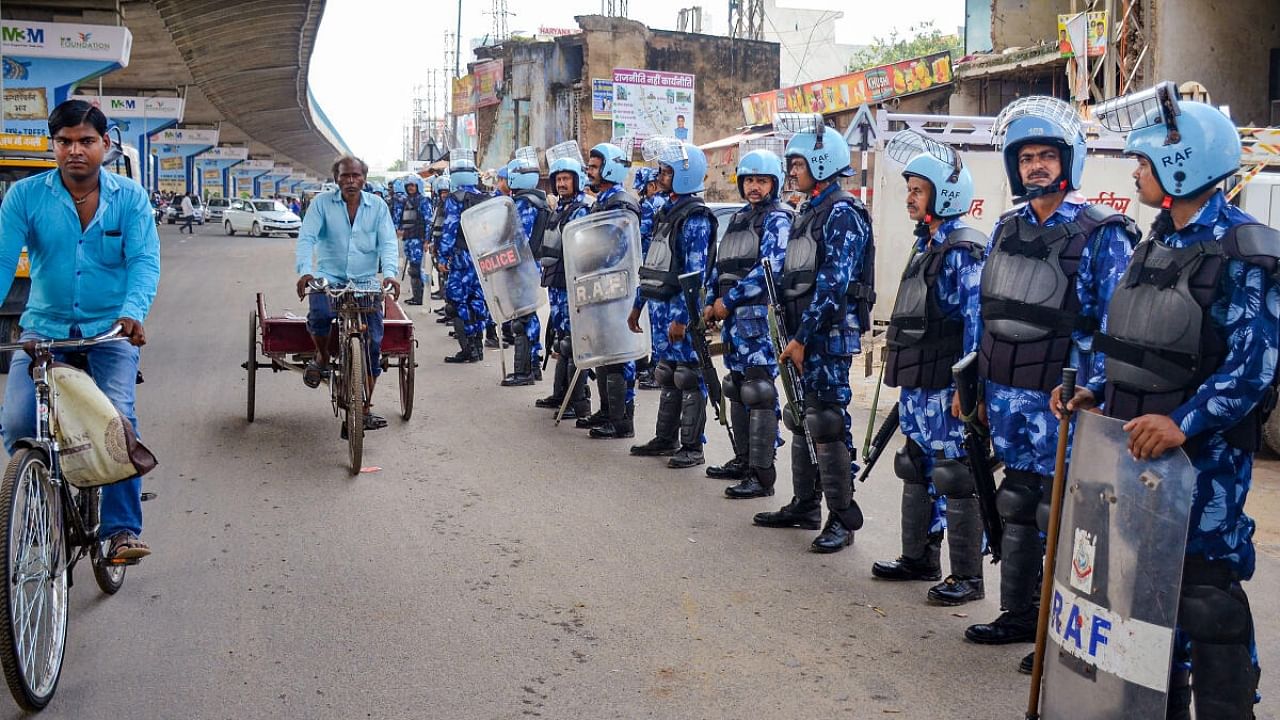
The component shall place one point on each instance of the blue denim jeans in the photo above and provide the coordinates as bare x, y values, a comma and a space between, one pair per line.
114, 367
319, 323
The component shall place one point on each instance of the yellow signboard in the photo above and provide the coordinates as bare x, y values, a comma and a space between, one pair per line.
19, 142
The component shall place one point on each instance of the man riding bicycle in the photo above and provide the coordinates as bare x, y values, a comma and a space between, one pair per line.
350, 233
95, 262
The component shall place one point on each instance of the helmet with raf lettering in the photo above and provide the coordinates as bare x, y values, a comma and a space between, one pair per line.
824, 150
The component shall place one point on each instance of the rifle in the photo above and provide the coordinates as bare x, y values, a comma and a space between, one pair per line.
880, 441
977, 442
791, 385
691, 288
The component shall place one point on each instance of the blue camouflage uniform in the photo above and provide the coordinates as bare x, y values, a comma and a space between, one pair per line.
559, 297
628, 368
533, 325
463, 289
413, 245
1024, 433
753, 349
649, 208
694, 243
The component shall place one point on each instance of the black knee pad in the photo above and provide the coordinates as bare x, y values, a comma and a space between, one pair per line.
908, 464
1213, 607
732, 384
825, 422
687, 376
565, 347
759, 394
665, 374
1018, 497
518, 326
953, 478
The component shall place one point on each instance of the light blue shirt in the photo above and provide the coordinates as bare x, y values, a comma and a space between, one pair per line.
346, 251
88, 278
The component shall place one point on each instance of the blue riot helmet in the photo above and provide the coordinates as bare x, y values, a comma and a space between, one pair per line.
940, 164
822, 147
462, 169
642, 178
522, 171
397, 186
1041, 120
761, 162
1191, 146
613, 162
569, 165
687, 162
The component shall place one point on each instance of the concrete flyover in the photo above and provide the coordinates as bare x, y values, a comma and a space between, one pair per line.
242, 67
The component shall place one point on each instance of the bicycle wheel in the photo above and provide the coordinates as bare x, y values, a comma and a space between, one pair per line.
252, 365
34, 633
110, 578
408, 366
353, 367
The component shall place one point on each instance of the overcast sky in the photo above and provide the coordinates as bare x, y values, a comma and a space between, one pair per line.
370, 53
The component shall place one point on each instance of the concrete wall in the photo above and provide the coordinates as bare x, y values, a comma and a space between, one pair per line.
808, 37
1023, 23
1225, 45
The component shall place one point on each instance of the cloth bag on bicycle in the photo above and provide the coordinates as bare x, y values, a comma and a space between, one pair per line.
97, 443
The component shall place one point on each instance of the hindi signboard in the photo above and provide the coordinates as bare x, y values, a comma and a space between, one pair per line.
649, 103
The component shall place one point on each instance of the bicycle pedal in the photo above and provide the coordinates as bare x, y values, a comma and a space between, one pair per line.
121, 562
148, 496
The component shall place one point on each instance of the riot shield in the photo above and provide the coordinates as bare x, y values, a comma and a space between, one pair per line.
1116, 578
602, 266
508, 272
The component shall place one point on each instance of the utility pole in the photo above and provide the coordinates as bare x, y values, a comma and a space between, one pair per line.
746, 19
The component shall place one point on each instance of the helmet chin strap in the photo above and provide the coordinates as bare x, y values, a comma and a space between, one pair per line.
1035, 191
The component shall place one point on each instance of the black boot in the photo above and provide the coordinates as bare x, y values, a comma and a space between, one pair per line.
758, 483
415, 283
664, 442
522, 370
1011, 627
693, 420
735, 469
835, 535
806, 515
491, 338
957, 590
619, 424
464, 344
844, 517
1020, 569
925, 567
964, 542
601, 416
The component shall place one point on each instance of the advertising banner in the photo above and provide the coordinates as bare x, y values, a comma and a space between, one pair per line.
1094, 32
174, 162
848, 92
649, 103
123, 106
601, 99
68, 41
487, 85
463, 102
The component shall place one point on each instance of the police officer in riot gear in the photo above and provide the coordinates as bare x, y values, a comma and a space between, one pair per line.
568, 178
463, 291
736, 296
826, 286
652, 198
934, 323
1188, 357
607, 170
531, 204
412, 215
1051, 266
682, 233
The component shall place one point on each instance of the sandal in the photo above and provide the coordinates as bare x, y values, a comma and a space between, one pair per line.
374, 422
313, 375
124, 547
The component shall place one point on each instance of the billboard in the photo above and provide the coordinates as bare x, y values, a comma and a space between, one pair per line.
649, 103
849, 92
487, 86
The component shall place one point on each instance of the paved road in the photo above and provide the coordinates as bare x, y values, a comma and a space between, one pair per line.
495, 568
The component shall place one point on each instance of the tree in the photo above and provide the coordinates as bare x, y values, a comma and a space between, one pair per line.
924, 39
397, 166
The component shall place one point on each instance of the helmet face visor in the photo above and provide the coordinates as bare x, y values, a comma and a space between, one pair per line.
665, 150
1050, 110
1141, 110
910, 144
565, 150
788, 124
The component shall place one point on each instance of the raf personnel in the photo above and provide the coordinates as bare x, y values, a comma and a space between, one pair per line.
531, 204
682, 235
411, 215
607, 169
652, 198
934, 323
1051, 265
470, 314
736, 296
826, 287
568, 179
1187, 355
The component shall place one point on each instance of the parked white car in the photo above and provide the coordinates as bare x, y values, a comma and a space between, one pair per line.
213, 209
259, 217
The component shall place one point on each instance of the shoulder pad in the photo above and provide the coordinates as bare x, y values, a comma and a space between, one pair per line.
970, 239
1010, 213
1256, 244
1097, 215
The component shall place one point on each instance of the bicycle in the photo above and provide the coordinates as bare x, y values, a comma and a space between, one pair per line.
348, 378
43, 541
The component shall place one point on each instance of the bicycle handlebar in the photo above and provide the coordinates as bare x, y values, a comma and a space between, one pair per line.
112, 335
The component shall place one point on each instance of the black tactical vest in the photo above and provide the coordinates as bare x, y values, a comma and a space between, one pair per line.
618, 200
467, 199
538, 200
412, 223
1161, 343
1029, 302
551, 253
739, 249
806, 251
923, 342
664, 263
